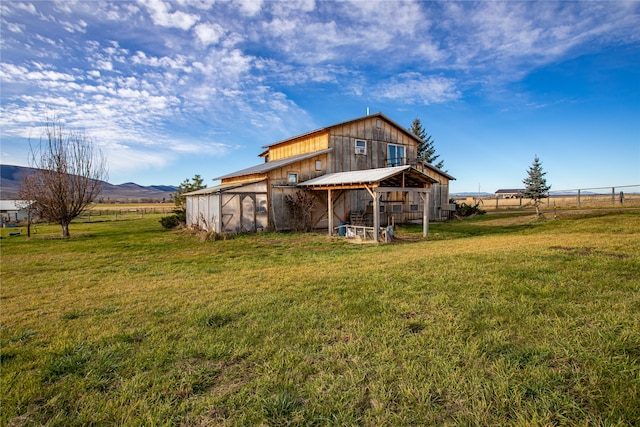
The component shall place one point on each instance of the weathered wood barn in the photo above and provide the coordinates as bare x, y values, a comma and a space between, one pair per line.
363, 171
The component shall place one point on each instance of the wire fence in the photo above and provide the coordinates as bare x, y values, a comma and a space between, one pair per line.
99, 215
595, 197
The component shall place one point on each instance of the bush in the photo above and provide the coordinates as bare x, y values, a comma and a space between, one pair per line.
170, 221
301, 209
465, 210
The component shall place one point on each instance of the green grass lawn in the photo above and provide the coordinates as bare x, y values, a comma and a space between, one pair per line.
498, 320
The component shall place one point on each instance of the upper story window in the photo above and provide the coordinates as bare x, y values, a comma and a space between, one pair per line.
396, 155
361, 146
292, 178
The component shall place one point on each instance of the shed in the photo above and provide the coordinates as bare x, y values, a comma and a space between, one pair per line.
229, 208
12, 211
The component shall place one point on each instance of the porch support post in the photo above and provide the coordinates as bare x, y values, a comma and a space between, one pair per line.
425, 216
330, 211
376, 215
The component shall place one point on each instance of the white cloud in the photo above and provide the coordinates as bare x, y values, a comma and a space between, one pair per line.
209, 33
80, 26
249, 7
161, 15
414, 88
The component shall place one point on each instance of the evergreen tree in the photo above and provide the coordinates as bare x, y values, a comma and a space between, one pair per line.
536, 184
426, 148
180, 200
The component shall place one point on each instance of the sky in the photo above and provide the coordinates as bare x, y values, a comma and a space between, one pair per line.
167, 90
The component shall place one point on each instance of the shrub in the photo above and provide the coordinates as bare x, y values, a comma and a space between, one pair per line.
301, 209
170, 221
465, 210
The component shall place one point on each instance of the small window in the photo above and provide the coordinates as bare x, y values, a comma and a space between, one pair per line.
396, 208
361, 146
292, 178
318, 165
413, 208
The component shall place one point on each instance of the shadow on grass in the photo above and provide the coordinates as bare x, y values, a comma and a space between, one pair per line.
484, 225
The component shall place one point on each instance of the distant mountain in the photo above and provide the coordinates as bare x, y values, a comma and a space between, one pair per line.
12, 176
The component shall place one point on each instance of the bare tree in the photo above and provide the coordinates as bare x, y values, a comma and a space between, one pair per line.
68, 177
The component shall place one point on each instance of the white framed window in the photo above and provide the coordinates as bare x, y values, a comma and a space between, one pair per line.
361, 146
292, 178
396, 155
318, 165
396, 208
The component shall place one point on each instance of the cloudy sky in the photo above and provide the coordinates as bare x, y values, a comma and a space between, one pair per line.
173, 89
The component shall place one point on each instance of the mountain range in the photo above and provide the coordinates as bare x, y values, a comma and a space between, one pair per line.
129, 192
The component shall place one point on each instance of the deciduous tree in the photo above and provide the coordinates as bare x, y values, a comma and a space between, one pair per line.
536, 184
69, 174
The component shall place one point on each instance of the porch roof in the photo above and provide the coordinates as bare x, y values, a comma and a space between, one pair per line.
398, 176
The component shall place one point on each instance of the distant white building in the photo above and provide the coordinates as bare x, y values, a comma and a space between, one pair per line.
12, 211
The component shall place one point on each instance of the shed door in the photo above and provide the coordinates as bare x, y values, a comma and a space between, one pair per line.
248, 213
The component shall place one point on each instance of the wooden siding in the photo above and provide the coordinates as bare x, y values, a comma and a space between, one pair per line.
306, 169
244, 178
378, 133
299, 146
279, 188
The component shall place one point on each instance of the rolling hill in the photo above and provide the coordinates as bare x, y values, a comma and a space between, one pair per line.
11, 177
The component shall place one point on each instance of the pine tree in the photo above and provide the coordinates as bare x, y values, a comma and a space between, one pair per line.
426, 148
536, 184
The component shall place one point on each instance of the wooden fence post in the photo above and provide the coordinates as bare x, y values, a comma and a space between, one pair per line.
578, 198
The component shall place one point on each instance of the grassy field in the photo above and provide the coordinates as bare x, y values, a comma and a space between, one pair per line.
498, 320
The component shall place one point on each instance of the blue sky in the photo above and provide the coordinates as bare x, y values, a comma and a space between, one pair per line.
168, 90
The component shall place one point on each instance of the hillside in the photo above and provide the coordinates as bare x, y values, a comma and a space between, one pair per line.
12, 176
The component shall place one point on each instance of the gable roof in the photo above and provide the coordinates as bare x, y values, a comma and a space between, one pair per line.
327, 128
367, 176
269, 166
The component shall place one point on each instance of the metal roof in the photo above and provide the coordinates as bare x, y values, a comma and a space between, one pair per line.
510, 190
13, 205
220, 188
269, 166
440, 171
366, 176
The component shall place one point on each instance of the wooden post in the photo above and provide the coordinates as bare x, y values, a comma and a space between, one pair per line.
425, 216
613, 196
330, 211
578, 198
376, 216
